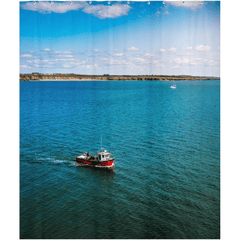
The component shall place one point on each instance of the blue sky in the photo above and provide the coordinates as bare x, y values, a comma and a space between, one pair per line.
119, 38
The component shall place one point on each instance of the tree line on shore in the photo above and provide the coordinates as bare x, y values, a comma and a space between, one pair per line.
68, 77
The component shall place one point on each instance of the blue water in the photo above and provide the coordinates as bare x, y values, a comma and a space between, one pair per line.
166, 144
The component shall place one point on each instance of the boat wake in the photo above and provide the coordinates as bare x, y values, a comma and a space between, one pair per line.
43, 160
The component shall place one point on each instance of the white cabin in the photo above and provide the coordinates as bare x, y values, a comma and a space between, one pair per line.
104, 155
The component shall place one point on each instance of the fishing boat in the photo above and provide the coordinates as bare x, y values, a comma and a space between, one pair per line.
103, 160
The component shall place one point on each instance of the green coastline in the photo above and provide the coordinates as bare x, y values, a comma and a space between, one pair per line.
106, 77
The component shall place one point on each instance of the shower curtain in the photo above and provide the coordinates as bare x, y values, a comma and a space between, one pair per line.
128, 38
139, 80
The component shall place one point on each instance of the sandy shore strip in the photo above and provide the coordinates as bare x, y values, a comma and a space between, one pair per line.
67, 80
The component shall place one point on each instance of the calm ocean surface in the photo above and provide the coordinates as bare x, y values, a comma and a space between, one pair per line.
166, 144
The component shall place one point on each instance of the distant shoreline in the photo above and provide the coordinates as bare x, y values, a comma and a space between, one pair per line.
78, 77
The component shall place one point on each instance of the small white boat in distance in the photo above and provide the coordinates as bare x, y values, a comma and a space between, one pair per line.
173, 86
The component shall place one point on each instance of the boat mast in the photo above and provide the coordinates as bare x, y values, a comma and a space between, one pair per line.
101, 144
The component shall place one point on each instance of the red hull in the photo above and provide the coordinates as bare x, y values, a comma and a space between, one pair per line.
84, 161
94, 163
106, 163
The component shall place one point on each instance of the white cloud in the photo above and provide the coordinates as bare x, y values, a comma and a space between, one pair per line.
24, 66
203, 48
65, 59
162, 50
188, 61
139, 60
193, 5
210, 62
70, 56
95, 51
177, 60
47, 49
62, 52
66, 65
187, 48
195, 61
77, 63
172, 49
91, 66
47, 7
101, 11
118, 54
149, 55
115, 62
132, 49
26, 55
175, 66
189, 54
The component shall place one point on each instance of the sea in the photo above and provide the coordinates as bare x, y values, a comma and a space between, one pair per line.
166, 145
